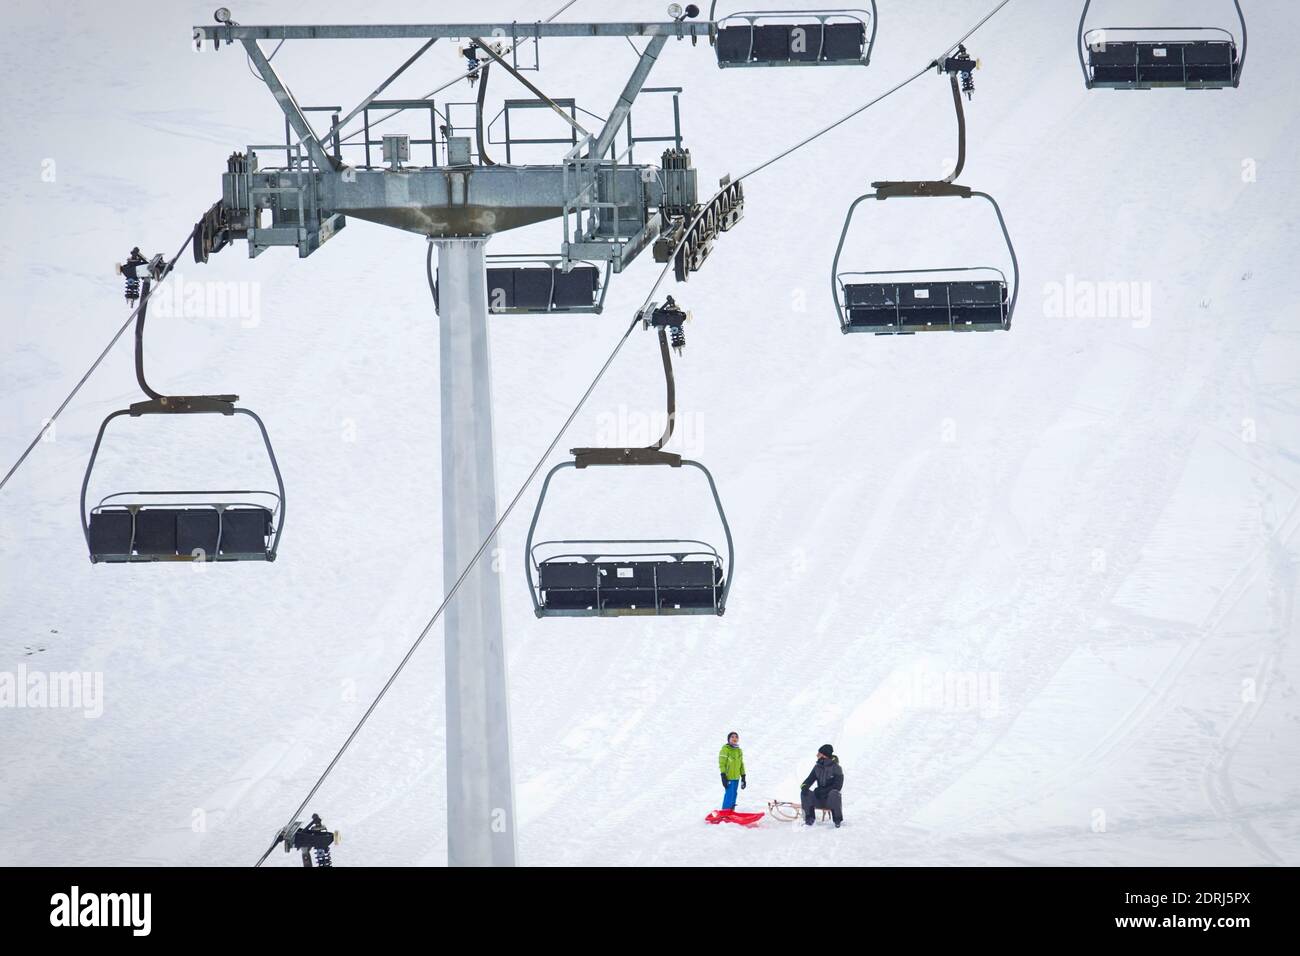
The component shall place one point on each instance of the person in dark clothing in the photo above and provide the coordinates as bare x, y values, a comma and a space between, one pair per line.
829, 778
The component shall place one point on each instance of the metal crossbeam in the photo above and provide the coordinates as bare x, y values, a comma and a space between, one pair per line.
531, 87
390, 31
292, 111
360, 107
625, 100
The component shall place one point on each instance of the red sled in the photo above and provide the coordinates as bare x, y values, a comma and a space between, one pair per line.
734, 816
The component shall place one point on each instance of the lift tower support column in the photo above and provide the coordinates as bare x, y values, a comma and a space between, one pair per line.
480, 788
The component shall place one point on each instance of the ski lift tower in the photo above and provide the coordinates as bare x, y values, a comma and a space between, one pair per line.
611, 209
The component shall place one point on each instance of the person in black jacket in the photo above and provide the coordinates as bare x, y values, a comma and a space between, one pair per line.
829, 778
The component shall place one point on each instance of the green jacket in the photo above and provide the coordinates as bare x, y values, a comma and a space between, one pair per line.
731, 761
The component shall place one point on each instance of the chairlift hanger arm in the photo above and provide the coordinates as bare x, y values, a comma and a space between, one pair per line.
1011, 249
483, 157
1241, 62
159, 403
942, 187
85, 480
279, 480
726, 530
139, 342
1083, 64
671, 384
961, 130
651, 454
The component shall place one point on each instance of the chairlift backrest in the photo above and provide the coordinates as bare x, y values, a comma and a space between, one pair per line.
539, 285
143, 531
1169, 57
753, 38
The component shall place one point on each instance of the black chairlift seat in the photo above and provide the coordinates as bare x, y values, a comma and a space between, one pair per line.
594, 583
904, 308
799, 38
233, 530
523, 290
1160, 62
518, 285
1141, 65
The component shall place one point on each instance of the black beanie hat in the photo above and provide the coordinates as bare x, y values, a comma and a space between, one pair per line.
826, 750
730, 734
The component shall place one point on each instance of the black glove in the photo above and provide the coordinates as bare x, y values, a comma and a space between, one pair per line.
742, 781
724, 778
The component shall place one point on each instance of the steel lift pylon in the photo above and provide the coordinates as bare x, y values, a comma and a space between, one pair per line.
612, 210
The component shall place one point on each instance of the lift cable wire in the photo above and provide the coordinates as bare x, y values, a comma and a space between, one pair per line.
559, 435
144, 299
865, 106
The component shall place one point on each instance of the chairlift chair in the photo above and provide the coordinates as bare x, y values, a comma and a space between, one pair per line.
625, 577
185, 525
1208, 63
866, 301
751, 38
540, 285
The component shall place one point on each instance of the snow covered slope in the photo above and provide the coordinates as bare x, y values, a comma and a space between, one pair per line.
1037, 588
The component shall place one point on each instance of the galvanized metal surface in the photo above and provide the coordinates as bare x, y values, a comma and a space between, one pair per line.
290, 106
625, 99
516, 31
449, 201
480, 789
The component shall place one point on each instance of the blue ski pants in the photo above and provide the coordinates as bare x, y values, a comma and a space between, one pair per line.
729, 795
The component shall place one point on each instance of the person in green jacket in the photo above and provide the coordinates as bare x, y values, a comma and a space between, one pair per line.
731, 764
